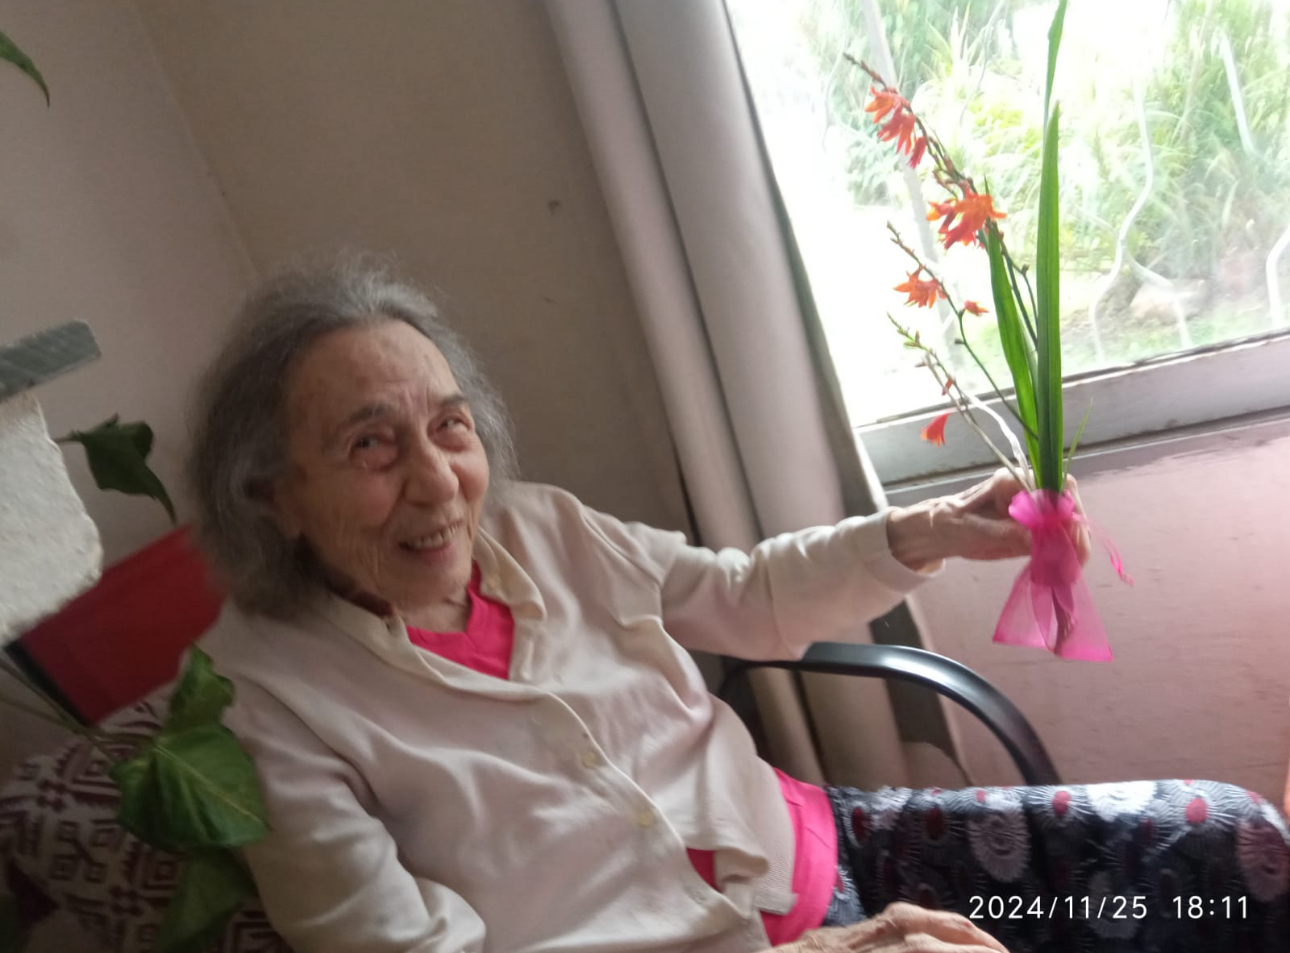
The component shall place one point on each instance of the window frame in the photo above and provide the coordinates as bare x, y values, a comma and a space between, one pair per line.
1145, 400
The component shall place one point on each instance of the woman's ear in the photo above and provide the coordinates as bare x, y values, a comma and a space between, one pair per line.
277, 501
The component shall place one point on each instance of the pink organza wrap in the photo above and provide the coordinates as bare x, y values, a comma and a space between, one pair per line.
1050, 606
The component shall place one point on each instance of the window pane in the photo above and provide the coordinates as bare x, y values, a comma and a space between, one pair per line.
1170, 241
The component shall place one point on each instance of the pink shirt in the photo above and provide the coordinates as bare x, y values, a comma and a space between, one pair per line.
486, 646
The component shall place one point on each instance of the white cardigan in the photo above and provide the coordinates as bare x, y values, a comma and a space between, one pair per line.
417, 805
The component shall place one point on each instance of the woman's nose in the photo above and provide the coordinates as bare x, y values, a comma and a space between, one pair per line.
431, 478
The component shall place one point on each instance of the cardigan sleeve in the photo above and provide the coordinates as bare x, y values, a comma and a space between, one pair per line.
328, 871
822, 584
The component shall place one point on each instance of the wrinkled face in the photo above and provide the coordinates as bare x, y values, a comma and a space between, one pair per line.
386, 475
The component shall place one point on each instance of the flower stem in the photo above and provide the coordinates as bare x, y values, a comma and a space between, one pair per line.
958, 313
958, 397
1016, 294
32, 710
60, 717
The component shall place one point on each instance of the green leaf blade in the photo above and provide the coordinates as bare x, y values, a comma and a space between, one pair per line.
211, 889
1048, 382
1015, 341
117, 456
1054, 44
1070, 453
10, 52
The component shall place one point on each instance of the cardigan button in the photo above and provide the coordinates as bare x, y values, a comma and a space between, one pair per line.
645, 818
590, 759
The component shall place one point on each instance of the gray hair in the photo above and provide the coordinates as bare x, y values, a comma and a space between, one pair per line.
239, 434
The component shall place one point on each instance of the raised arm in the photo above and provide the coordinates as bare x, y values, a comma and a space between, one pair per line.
821, 584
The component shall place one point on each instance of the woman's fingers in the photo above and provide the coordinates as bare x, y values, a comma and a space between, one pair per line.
991, 537
952, 928
1081, 535
902, 928
926, 944
974, 524
906, 928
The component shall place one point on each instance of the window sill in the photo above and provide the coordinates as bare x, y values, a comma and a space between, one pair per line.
1201, 391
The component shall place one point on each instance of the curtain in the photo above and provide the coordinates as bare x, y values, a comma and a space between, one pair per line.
750, 393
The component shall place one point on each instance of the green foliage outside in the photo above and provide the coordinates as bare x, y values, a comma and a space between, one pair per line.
1192, 269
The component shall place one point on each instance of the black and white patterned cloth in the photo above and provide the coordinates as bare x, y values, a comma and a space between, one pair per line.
1169, 866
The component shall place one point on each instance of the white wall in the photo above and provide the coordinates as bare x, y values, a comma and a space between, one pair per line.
1200, 684
109, 215
444, 133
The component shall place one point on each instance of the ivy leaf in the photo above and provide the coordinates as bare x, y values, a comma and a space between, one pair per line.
201, 697
211, 889
192, 787
117, 455
13, 933
9, 51
191, 790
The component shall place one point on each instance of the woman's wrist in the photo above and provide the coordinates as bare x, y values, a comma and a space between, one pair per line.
912, 538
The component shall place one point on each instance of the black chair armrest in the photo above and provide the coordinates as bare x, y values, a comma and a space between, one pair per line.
946, 676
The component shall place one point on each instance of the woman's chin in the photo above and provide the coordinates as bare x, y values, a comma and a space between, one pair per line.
443, 570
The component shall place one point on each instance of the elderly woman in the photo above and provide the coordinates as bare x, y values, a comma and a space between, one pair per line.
469, 698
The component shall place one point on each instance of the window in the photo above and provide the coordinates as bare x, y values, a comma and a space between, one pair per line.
1175, 177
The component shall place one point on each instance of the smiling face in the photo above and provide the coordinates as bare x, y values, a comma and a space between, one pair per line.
386, 476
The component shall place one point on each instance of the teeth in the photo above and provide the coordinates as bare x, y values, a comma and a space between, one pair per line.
434, 540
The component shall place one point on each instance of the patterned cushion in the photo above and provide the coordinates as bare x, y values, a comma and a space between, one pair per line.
59, 834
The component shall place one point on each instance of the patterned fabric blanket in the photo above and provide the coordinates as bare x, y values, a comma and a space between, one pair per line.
1139, 866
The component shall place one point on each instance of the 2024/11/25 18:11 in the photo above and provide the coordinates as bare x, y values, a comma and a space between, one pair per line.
1200, 908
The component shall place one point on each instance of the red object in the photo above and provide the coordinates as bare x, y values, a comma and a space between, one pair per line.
118, 641
486, 644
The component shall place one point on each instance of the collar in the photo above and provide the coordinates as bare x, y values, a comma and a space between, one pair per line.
501, 578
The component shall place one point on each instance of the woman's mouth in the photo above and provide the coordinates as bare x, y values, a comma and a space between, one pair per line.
430, 542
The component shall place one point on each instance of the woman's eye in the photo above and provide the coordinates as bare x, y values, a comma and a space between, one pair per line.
373, 450
455, 422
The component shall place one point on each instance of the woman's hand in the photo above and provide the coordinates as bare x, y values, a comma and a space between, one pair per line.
973, 524
901, 928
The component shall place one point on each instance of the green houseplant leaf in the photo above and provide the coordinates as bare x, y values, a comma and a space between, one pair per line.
191, 787
9, 51
117, 454
200, 697
211, 889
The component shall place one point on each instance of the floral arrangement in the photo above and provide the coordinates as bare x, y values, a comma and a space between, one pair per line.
1050, 606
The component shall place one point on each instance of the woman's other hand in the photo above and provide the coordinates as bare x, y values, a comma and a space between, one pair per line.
901, 928
973, 524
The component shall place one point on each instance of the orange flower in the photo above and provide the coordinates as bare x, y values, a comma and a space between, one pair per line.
973, 308
922, 292
972, 212
901, 125
920, 149
884, 101
934, 433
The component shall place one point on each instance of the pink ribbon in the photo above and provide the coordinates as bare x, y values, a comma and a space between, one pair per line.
1050, 606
